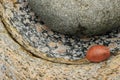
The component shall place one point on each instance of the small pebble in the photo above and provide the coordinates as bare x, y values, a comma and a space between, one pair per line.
52, 44
98, 53
60, 50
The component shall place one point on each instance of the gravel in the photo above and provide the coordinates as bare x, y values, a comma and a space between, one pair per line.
55, 44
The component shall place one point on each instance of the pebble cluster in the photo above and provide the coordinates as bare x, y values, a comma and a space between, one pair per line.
52, 43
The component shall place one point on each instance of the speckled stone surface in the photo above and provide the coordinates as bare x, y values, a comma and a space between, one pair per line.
18, 64
24, 27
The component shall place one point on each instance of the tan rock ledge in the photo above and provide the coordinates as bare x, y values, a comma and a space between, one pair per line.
16, 63
7, 8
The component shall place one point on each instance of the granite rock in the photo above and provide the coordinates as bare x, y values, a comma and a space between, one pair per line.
78, 17
18, 64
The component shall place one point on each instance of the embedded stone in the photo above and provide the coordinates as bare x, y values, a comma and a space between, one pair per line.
79, 17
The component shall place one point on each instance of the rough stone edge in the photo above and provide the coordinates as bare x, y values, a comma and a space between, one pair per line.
19, 39
14, 34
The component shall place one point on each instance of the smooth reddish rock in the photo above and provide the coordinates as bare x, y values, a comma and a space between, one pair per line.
98, 53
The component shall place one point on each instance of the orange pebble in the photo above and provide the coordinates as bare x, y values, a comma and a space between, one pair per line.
98, 53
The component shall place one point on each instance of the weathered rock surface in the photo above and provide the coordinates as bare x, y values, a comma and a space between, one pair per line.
18, 64
78, 17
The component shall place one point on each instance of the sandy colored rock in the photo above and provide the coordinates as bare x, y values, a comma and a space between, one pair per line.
52, 44
16, 63
60, 49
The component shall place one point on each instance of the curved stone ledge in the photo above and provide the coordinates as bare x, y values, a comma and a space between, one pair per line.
18, 64
23, 42
18, 37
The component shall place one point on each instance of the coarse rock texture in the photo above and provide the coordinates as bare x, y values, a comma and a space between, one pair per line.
7, 7
18, 64
79, 17
61, 48
43, 43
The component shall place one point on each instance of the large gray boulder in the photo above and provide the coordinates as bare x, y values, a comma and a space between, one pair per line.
79, 17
